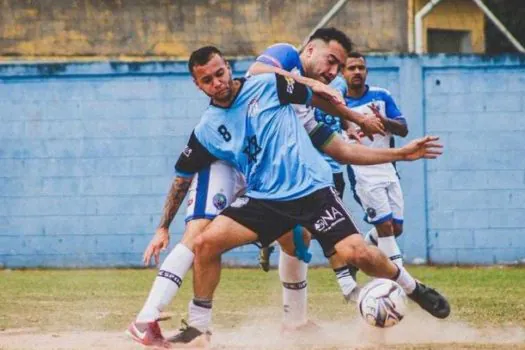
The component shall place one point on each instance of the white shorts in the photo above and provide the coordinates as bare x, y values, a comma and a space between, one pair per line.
212, 190
381, 202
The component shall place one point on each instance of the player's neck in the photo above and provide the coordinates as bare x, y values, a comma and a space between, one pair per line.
236, 85
356, 92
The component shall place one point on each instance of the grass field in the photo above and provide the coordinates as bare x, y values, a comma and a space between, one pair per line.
69, 309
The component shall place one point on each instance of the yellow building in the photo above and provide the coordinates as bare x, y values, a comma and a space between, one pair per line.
451, 26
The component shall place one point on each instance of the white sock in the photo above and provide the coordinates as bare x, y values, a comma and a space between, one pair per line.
167, 282
345, 280
292, 273
407, 282
199, 314
388, 245
371, 237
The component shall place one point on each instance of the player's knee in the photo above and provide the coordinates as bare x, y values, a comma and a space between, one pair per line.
362, 256
353, 250
398, 230
385, 229
204, 247
194, 229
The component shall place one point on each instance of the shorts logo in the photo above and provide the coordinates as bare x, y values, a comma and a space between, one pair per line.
240, 202
330, 218
290, 85
190, 201
219, 201
187, 151
371, 213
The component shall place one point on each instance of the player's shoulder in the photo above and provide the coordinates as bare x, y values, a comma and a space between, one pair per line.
260, 78
378, 91
283, 47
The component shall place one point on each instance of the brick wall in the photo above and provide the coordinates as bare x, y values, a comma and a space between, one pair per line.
115, 28
477, 190
87, 154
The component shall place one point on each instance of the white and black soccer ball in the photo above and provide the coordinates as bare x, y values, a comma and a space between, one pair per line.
382, 303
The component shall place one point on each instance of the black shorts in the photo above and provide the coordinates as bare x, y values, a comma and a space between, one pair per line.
339, 182
322, 213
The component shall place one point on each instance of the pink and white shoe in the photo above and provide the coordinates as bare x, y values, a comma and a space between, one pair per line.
148, 334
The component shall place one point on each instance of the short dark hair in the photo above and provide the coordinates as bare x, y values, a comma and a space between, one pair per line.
202, 56
331, 33
356, 54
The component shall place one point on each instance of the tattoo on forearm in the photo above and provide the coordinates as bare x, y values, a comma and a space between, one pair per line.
178, 191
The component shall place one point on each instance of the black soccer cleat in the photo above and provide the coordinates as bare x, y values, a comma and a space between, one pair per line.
430, 300
189, 336
264, 257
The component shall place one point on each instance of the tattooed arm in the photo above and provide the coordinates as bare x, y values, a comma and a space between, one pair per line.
194, 158
161, 239
178, 191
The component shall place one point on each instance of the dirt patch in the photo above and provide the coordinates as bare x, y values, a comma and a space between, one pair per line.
416, 331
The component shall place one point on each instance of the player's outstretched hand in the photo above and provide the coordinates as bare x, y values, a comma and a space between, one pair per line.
426, 147
159, 242
327, 92
372, 125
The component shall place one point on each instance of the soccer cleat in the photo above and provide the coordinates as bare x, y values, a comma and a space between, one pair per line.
189, 336
148, 334
264, 257
353, 295
430, 300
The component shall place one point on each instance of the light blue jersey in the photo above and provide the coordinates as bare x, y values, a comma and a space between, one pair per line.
339, 83
261, 136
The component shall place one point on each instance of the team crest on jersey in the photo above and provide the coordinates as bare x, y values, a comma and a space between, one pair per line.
187, 151
253, 108
371, 212
220, 201
290, 85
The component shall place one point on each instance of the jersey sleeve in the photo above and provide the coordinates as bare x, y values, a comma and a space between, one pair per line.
283, 56
194, 158
391, 110
290, 91
320, 133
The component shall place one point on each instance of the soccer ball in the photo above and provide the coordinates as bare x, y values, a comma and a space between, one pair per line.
382, 303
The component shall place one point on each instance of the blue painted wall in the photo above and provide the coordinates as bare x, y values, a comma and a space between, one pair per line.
87, 153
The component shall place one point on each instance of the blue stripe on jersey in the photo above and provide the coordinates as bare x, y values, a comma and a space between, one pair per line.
203, 180
183, 174
372, 94
353, 183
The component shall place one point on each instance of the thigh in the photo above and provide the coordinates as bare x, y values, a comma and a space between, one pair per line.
194, 228
261, 217
375, 202
211, 191
224, 233
326, 217
397, 204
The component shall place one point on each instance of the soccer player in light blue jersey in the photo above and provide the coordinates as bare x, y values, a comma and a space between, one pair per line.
376, 187
319, 62
251, 125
